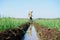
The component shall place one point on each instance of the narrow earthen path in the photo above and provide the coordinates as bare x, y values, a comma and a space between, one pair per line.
45, 33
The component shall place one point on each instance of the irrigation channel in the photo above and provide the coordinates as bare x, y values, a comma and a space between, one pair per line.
24, 32
31, 34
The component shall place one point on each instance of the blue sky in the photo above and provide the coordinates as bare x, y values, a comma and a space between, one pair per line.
20, 8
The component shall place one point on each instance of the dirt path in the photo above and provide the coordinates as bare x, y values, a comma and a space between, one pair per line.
45, 33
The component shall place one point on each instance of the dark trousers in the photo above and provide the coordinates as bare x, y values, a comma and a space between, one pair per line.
30, 18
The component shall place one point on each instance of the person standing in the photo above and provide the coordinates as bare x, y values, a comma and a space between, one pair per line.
30, 15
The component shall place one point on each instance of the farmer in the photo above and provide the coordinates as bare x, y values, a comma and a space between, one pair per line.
30, 15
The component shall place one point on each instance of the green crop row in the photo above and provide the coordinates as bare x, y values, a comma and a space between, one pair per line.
50, 23
10, 23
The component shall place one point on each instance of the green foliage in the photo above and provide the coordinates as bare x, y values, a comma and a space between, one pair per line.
10, 23
50, 23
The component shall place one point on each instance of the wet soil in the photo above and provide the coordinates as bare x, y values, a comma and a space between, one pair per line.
14, 34
47, 34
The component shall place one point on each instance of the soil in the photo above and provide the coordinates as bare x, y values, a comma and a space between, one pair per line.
47, 34
14, 34
43, 32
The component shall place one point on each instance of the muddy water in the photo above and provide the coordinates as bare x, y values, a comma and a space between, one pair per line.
31, 34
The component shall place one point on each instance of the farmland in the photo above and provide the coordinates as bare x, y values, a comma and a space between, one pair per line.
48, 29
49, 23
11, 23
45, 28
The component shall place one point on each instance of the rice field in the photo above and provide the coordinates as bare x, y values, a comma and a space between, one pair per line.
10, 23
50, 23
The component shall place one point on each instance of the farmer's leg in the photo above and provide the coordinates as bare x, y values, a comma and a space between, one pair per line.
30, 18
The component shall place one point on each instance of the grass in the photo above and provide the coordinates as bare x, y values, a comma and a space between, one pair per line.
50, 23
10, 23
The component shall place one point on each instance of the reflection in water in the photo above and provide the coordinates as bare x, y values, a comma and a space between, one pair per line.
31, 34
